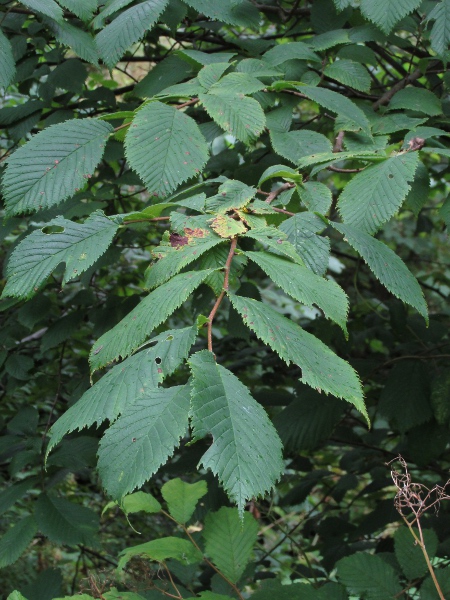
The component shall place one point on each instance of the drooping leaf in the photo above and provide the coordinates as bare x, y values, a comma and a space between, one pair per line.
142, 439
7, 64
369, 575
127, 29
237, 83
418, 100
79, 41
292, 50
154, 309
108, 9
13, 493
210, 74
174, 141
276, 241
350, 73
182, 497
162, 549
54, 164
168, 72
386, 266
240, 115
125, 382
246, 451
373, 196
231, 194
137, 502
305, 286
227, 227
229, 540
440, 32
410, 555
301, 231
16, 540
240, 12
321, 368
387, 13
77, 245
65, 522
49, 8
84, 9
295, 145
316, 196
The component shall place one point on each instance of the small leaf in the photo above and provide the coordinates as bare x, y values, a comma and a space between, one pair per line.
280, 171
229, 540
16, 540
140, 502
182, 497
161, 549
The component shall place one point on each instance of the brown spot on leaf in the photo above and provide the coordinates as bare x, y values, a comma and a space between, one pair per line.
177, 240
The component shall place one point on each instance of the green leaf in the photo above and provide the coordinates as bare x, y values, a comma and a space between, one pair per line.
7, 64
210, 74
169, 71
77, 245
418, 100
369, 575
49, 8
305, 286
16, 540
231, 194
198, 59
162, 549
428, 589
246, 451
65, 522
79, 41
296, 145
321, 368
229, 540
350, 73
154, 309
280, 171
279, 119
387, 267
182, 497
10, 495
213, 596
292, 50
175, 142
142, 439
301, 231
227, 227
233, 12
440, 32
109, 8
409, 554
54, 164
237, 83
172, 259
275, 240
316, 196
241, 116
328, 158
84, 9
125, 382
140, 502
373, 196
18, 596
387, 13
127, 29
338, 104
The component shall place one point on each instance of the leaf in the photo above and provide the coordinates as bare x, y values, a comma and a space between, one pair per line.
48, 8
54, 164
65, 522
246, 451
77, 245
125, 382
84, 9
440, 32
350, 73
79, 41
137, 502
387, 13
321, 368
296, 145
210, 74
301, 231
387, 267
182, 497
373, 196
127, 29
16, 540
175, 142
142, 439
370, 575
276, 241
316, 196
229, 540
338, 104
280, 171
227, 227
241, 116
10, 495
18, 596
233, 12
417, 99
409, 554
237, 83
328, 158
305, 286
169, 71
428, 589
7, 64
231, 194
162, 549
292, 50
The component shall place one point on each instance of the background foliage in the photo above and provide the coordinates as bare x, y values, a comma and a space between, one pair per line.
227, 218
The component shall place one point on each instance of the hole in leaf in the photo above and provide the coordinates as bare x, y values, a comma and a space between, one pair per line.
158, 360
52, 229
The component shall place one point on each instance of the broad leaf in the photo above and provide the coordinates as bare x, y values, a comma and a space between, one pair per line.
305, 286
296, 145
301, 231
386, 266
241, 116
321, 368
142, 439
84, 9
49, 8
65, 522
79, 41
54, 164
410, 555
60, 241
182, 497
174, 141
137, 502
154, 309
229, 540
316, 196
169, 71
440, 32
13, 493
293, 50
234, 12
108, 9
162, 549
386, 13
210, 74
275, 240
418, 100
237, 83
373, 196
350, 73
231, 194
125, 382
16, 540
368, 575
127, 29
246, 450
7, 64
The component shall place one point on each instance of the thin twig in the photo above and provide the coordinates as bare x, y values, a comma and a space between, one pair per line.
271, 197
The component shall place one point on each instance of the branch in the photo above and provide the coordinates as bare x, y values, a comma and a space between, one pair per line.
286, 186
